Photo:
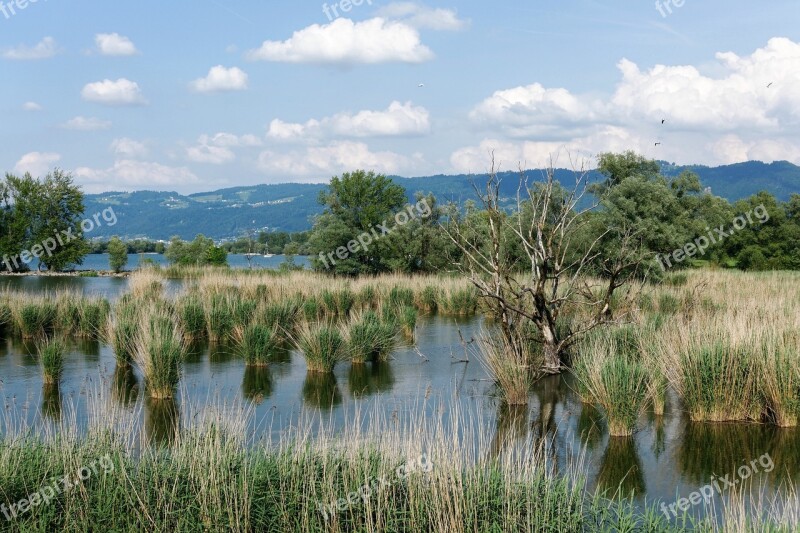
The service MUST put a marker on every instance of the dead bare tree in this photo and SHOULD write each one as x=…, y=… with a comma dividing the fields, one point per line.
x=558, y=274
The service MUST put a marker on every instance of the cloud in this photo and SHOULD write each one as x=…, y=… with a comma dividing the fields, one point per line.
x=221, y=79
x=126, y=148
x=510, y=155
x=128, y=174
x=122, y=92
x=397, y=120
x=31, y=106
x=37, y=163
x=321, y=162
x=114, y=44
x=216, y=149
x=536, y=111
x=86, y=124
x=345, y=42
x=748, y=108
x=423, y=17
x=45, y=49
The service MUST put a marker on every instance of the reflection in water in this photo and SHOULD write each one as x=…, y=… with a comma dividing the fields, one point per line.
x=220, y=355
x=321, y=390
x=258, y=383
x=25, y=347
x=124, y=386
x=548, y=392
x=89, y=348
x=621, y=468
x=196, y=351
x=512, y=428
x=51, y=401
x=280, y=361
x=368, y=379
x=162, y=419
x=659, y=434
x=708, y=449
x=591, y=426
x=785, y=452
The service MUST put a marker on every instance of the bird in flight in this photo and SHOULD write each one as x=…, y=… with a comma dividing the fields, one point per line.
x=421, y=85
x=770, y=84
x=658, y=144
x=663, y=120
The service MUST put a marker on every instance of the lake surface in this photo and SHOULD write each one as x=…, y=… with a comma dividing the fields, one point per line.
x=100, y=261
x=668, y=457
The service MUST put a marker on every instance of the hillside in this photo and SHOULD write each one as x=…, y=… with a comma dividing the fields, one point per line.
x=229, y=212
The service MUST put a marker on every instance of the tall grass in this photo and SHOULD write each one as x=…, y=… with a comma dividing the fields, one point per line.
x=509, y=367
x=613, y=380
x=778, y=361
x=322, y=345
x=159, y=349
x=51, y=359
x=256, y=343
x=368, y=338
x=121, y=329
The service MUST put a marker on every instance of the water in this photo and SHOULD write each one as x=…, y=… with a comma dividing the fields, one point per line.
x=100, y=261
x=669, y=457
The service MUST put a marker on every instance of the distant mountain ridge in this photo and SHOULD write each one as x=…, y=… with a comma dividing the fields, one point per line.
x=228, y=213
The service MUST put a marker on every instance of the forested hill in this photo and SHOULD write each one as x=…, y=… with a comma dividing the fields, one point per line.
x=228, y=213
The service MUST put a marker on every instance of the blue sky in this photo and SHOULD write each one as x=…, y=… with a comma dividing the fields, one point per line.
x=199, y=95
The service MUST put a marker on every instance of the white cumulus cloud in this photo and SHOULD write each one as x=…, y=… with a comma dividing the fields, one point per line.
x=397, y=120
x=45, y=49
x=114, y=44
x=346, y=42
x=37, y=163
x=221, y=79
x=125, y=148
x=424, y=17
x=121, y=92
x=748, y=107
x=319, y=163
x=80, y=123
x=129, y=174
x=217, y=149
x=31, y=106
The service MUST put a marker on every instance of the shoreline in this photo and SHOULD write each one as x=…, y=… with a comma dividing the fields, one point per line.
x=73, y=274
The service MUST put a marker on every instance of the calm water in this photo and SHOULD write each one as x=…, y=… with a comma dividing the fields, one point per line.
x=100, y=261
x=669, y=456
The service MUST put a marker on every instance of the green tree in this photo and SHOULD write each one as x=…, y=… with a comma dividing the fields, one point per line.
x=201, y=251
x=357, y=203
x=117, y=254
x=42, y=219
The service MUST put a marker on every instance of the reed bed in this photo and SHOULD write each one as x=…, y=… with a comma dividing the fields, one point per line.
x=419, y=473
x=159, y=348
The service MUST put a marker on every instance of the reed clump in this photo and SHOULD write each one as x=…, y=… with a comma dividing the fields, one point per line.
x=51, y=358
x=322, y=345
x=256, y=343
x=159, y=349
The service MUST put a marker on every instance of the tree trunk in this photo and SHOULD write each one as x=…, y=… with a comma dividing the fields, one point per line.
x=552, y=355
